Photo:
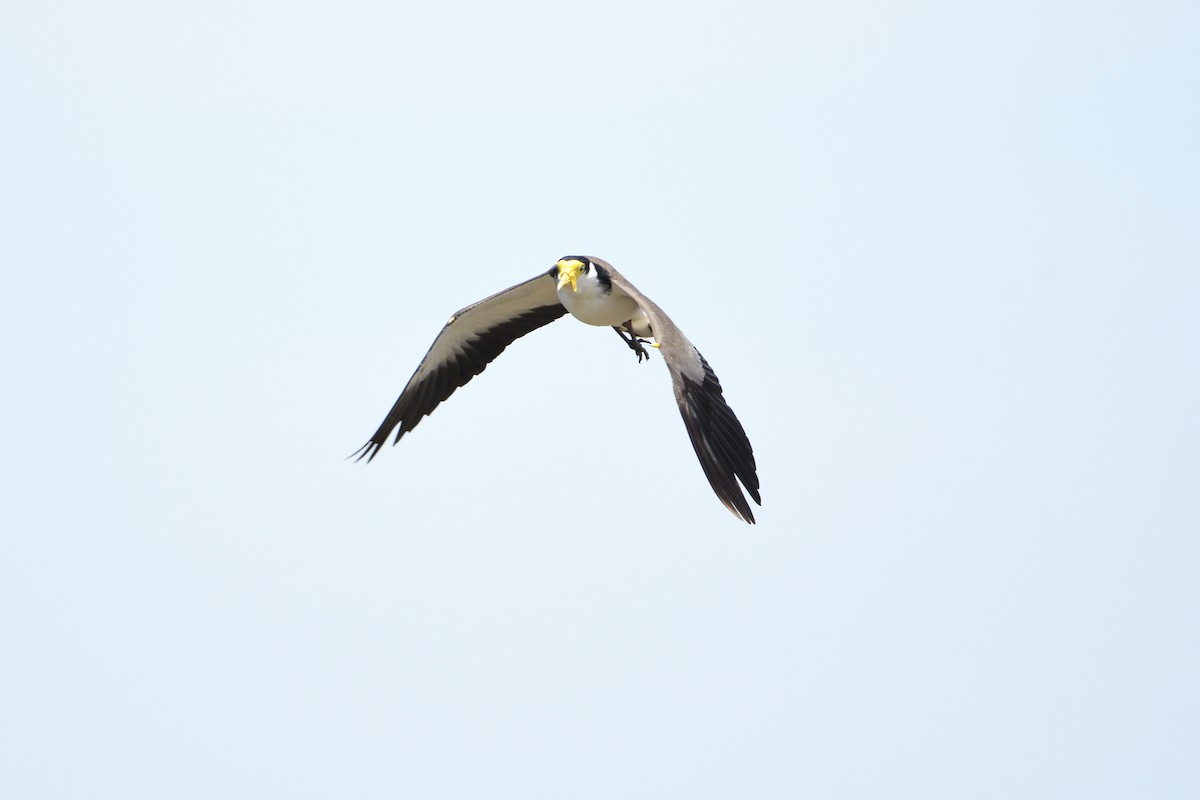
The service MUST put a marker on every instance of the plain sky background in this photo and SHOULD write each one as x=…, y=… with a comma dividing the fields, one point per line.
x=944, y=257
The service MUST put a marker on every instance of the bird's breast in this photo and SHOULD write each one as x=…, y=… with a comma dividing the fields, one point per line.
x=596, y=306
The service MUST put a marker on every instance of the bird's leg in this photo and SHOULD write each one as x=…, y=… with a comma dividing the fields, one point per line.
x=635, y=344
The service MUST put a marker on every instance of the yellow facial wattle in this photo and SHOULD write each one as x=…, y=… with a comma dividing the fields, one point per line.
x=568, y=272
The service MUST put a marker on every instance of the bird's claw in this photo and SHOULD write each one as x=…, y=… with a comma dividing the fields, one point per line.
x=635, y=345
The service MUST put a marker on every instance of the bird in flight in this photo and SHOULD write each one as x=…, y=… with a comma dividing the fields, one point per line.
x=592, y=291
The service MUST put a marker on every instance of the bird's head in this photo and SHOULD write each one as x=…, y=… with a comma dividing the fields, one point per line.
x=568, y=269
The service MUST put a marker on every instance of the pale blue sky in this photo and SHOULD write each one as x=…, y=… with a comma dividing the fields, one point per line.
x=944, y=256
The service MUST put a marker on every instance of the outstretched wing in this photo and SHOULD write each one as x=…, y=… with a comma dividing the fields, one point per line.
x=717, y=436
x=469, y=342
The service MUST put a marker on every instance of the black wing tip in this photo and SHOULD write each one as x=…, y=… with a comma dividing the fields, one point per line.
x=729, y=476
x=367, y=451
x=744, y=514
x=735, y=501
x=472, y=357
x=721, y=444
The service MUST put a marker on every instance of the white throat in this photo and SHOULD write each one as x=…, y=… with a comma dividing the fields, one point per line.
x=595, y=306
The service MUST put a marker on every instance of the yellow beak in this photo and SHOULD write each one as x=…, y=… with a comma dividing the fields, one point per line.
x=568, y=272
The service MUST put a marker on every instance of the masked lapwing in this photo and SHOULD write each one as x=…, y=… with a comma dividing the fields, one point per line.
x=592, y=291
